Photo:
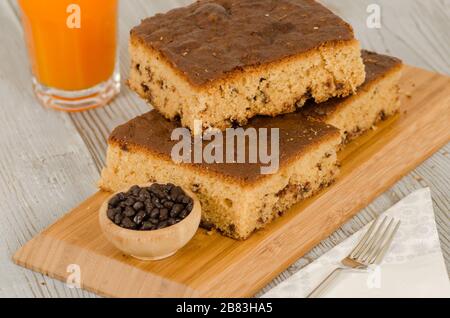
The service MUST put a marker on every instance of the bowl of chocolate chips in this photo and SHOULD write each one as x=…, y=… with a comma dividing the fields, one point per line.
x=150, y=222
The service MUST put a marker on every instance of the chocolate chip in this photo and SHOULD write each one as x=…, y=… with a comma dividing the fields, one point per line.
x=138, y=206
x=164, y=214
x=175, y=192
x=130, y=201
x=128, y=223
x=134, y=190
x=155, y=213
x=139, y=218
x=183, y=214
x=179, y=198
x=154, y=221
x=112, y=213
x=162, y=225
x=118, y=218
x=157, y=203
x=168, y=204
x=160, y=194
x=177, y=208
x=114, y=201
x=195, y=188
x=122, y=205
x=158, y=190
x=145, y=87
x=187, y=200
x=129, y=211
x=150, y=208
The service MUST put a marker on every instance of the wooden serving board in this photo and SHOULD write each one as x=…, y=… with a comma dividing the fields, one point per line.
x=216, y=266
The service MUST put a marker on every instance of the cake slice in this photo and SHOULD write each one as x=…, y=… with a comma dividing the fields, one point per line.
x=225, y=61
x=236, y=198
x=377, y=99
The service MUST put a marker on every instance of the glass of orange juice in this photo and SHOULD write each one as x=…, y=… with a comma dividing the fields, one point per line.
x=72, y=46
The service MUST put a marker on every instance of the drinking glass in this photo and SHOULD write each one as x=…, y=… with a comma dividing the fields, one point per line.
x=72, y=45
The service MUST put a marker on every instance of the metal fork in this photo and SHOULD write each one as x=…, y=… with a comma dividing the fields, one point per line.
x=369, y=251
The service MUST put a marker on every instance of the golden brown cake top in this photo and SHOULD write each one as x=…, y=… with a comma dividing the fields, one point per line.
x=151, y=132
x=377, y=66
x=211, y=38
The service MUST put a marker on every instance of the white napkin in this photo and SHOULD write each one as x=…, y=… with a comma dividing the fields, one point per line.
x=413, y=267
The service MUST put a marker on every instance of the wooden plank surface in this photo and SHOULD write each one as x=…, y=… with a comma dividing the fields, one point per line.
x=216, y=266
x=50, y=161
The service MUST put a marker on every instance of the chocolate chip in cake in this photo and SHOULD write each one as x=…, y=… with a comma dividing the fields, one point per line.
x=150, y=208
x=145, y=87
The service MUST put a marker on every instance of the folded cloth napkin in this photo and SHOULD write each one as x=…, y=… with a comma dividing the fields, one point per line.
x=413, y=267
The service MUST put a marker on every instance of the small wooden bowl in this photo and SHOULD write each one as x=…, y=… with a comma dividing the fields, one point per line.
x=151, y=245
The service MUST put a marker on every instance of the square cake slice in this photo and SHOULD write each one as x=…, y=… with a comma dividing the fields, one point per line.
x=236, y=198
x=225, y=61
x=377, y=99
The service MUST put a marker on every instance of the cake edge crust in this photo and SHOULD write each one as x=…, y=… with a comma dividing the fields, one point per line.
x=231, y=75
x=231, y=179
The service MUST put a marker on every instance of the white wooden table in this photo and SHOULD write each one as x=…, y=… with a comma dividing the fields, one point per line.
x=50, y=161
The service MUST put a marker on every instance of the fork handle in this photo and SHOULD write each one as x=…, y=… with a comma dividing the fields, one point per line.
x=316, y=292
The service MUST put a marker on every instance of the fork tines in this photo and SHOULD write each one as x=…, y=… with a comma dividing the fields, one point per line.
x=375, y=243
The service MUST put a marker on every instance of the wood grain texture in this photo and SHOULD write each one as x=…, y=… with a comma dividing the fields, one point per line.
x=216, y=266
x=59, y=155
x=40, y=156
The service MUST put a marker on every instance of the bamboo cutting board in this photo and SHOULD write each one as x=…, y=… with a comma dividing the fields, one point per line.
x=216, y=266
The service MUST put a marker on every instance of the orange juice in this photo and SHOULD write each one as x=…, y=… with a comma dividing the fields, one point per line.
x=71, y=43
